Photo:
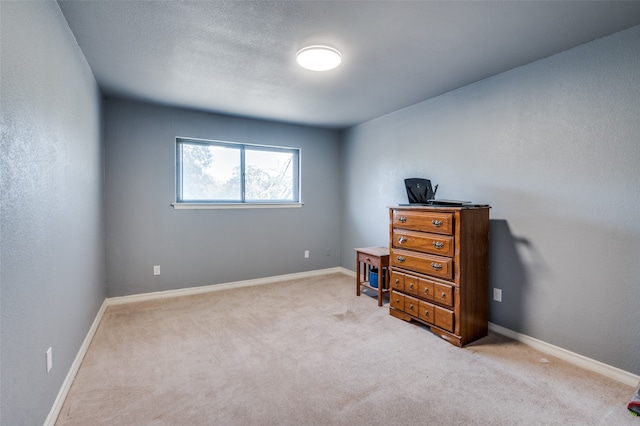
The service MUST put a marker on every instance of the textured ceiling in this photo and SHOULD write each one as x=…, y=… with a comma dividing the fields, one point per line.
x=238, y=57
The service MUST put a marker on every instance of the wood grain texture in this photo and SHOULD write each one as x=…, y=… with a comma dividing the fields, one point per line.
x=452, y=286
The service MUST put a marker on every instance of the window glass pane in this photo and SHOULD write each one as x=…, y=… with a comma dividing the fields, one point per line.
x=269, y=175
x=223, y=172
x=210, y=172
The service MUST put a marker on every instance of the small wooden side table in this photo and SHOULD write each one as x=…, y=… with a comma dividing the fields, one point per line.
x=370, y=257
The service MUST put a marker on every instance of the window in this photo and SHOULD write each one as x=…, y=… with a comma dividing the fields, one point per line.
x=232, y=173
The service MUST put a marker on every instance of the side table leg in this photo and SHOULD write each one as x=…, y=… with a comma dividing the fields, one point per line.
x=383, y=283
x=357, y=276
x=380, y=282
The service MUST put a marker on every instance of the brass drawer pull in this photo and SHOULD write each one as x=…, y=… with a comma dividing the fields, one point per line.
x=411, y=307
x=402, y=219
x=411, y=286
x=438, y=244
x=401, y=259
x=426, y=290
x=436, y=222
x=402, y=240
x=397, y=281
x=436, y=266
x=426, y=313
x=444, y=296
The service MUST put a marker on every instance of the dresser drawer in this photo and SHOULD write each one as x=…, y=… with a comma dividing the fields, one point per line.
x=420, y=241
x=396, y=300
x=440, y=223
x=437, y=266
x=426, y=312
x=411, y=306
x=411, y=284
x=425, y=289
x=443, y=294
x=444, y=318
x=397, y=281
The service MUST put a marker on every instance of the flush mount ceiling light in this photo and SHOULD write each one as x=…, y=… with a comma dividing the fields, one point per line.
x=318, y=58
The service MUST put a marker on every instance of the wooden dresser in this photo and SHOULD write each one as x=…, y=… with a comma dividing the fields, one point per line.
x=439, y=263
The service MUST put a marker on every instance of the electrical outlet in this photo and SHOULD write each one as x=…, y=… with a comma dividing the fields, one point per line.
x=306, y=254
x=49, y=355
x=156, y=270
x=497, y=295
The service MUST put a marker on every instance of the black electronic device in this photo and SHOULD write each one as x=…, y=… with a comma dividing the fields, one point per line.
x=420, y=193
x=419, y=190
x=448, y=203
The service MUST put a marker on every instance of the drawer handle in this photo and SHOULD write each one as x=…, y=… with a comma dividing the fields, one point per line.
x=411, y=285
x=438, y=244
x=397, y=281
x=402, y=219
x=436, y=266
x=436, y=222
x=401, y=259
x=411, y=307
x=444, y=296
x=397, y=300
x=426, y=290
x=426, y=313
x=402, y=240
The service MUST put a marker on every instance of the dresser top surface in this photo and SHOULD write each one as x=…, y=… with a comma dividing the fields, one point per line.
x=425, y=207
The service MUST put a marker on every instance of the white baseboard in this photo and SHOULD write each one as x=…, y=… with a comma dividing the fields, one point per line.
x=582, y=361
x=216, y=287
x=347, y=271
x=75, y=366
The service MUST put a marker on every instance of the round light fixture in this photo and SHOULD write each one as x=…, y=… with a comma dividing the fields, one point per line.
x=318, y=58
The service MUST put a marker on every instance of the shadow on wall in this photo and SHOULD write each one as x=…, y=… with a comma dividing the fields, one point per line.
x=506, y=272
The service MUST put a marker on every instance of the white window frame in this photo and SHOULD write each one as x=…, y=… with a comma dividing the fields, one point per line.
x=180, y=203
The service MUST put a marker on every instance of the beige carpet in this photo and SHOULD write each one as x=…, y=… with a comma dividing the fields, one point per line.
x=309, y=352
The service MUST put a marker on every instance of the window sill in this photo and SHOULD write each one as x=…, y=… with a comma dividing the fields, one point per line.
x=206, y=206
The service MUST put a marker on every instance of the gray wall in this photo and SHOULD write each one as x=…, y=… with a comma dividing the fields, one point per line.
x=202, y=247
x=51, y=228
x=554, y=147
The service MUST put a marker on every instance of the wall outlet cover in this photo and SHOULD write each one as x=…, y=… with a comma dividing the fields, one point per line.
x=497, y=295
x=49, y=355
